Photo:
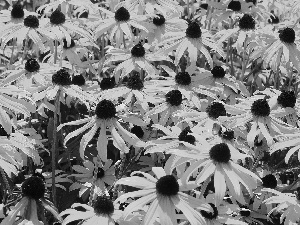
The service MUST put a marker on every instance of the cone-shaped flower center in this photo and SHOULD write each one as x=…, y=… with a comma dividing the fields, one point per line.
x=287, y=35
x=33, y=187
x=193, y=30
x=32, y=65
x=247, y=22
x=107, y=83
x=260, y=108
x=167, y=186
x=134, y=82
x=159, y=20
x=215, y=110
x=184, y=136
x=17, y=11
x=122, y=14
x=65, y=46
x=183, y=78
x=105, y=110
x=220, y=153
x=245, y=212
x=78, y=80
x=227, y=135
x=269, y=181
x=174, y=97
x=62, y=77
x=57, y=17
x=31, y=21
x=138, y=131
x=234, y=6
x=218, y=72
x=103, y=206
x=138, y=50
x=287, y=99
x=210, y=215
x=100, y=173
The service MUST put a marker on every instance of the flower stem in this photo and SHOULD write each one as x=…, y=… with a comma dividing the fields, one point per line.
x=55, y=51
x=54, y=146
x=244, y=62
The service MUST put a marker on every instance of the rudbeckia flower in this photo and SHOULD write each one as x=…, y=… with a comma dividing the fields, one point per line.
x=287, y=203
x=257, y=110
x=120, y=23
x=192, y=39
x=15, y=14
x=102, y=213
x=138, y=57
x=165, y=195
x=106, y=118
x=33, y=191
x=218, y=161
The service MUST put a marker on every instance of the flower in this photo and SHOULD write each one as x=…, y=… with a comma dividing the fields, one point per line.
x=165, y=195
x=33, y=191
x=102, y=213
x=14, y=14
x=106, y=119
x=138, y=57
x=193, y=39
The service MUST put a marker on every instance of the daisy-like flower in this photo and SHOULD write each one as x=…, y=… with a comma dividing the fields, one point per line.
x=193, y=39
x=218, y=161
x=93, y=173
x=32, y=72
x=33, y=191
x=166, y=110
x=137, y=58
x=29, y=29
x=287, y=203
x=119, y=23
x=103, y=212
x=165, y=195
x=106, y=119
x=257, y=110
x=14, y=14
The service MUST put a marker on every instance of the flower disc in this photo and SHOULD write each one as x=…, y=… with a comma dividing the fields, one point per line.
x=167, y=186
x=260, y=108
x=234, y=6
x=138, y=131
x=107, y=83
x=215, y=110
x=105, y=110
x=183, y=78
x=269, y=181
x=32, y=65
x=17, y=11
x=57, y=17
x=134, y=82
x=62, y=77
x=122, y=14
x=159, y=20
x=174, y=97
x=247, y=22
x=33, y=187
x=184, y=136
x=220, y=153
x=103, y=206
x=287, y=35
x=218, y=72
x=138, y=51
x=193, y=30
x=78, y=80
x=100, y=173
x=287, y=99
x=31, y=21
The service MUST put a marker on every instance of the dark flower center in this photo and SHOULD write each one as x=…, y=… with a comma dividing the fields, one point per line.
x=287, y=99
x=32, y=65
x=273, y=19
x=31, y=21
x=17, y=11
x=100, y=173
x=269, y=181
x=107, y=83
x=85, y=14
x=220, y=153
x=210, y=215
x=218, y=72
x=135, y=82
x=174, y=97
x=193, y=30
x=57, y=17
x=227, y=135
x=138, y=131
x=245, y=212
x=122, y=14
x=65, y=46
x=215, y=110
x=260, y=108
x=204, y=6
x=103, y=206
x=33, y=187
x=105, y=110
x=184, y=136
x=167, y=186
x=62, y=77
x=159, y=20
x=287, y=35
x=78, y=80
x=183, y=78
x=138, y=50
x=247, y=22
x=253, y=1
x=234, y=6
